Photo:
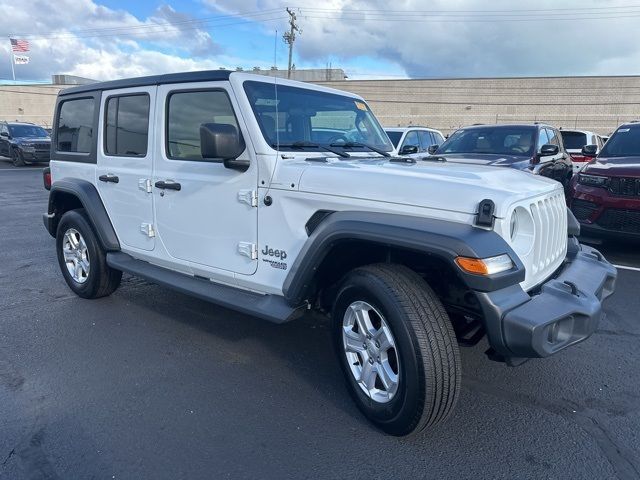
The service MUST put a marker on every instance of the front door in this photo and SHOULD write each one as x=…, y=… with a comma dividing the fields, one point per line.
x=205, y=212
x=123, y=173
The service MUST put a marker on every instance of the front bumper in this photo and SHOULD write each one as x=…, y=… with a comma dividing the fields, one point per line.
x=36, y=156
x=563, y=311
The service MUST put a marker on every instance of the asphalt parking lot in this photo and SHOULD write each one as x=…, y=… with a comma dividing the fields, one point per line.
x=149, y=383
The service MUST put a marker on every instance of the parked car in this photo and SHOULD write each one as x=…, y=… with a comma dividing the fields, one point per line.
x=606, y=192
x=24, y=143
x=536, y=148
x=414, y=141
x=574, y=140
x=211, y=186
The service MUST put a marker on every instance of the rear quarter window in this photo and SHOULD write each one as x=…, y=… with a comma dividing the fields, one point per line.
x=574, y=140
x=75, y=126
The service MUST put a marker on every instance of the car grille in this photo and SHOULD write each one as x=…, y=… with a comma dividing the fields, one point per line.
x=624, y=186
x=620, y=220
x=550, y=219
x=583, y=209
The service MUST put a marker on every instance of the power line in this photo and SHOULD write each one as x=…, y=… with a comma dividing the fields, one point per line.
x=153, y=27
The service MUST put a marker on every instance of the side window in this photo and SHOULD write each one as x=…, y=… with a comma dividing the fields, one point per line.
x=75, y=126
x=437, y=138
x=425, y=140
x=411, y=139
x=553, y=137
x=127, y=125
x=543, y=139
x=186, y=111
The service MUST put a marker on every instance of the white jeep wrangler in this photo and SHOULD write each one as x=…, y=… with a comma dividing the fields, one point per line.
x=274, y=197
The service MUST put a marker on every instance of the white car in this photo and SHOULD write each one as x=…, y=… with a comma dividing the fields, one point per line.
x=574, y=140
x=414, y=142
x=275, y=197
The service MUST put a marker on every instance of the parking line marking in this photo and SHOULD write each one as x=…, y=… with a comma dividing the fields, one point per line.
x=626, y=267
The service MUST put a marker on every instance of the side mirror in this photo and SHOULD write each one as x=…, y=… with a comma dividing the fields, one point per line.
x=590, y=150
x=432, y=149
x=409, y=150
x=220, y=142
x=549, y=150
x=4, y=134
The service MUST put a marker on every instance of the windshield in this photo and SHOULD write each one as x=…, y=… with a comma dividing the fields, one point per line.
x=574, y=140
x=305, y=115
x=27, y=131
x=395, y=137
x=625, y=142
x=496, y=140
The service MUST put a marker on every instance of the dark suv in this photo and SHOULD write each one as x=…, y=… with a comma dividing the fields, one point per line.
x=24, y=143
x=605, y=195
x=534, y=148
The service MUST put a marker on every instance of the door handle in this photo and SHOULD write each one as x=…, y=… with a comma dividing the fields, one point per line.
x=109, y=178
x=169, y=185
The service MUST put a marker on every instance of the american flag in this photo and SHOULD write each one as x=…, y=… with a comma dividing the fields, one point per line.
x=18, y=45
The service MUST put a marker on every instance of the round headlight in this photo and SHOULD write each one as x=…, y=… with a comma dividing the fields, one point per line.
x=521, y=231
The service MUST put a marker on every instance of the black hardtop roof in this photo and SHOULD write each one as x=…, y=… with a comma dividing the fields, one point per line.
x=183, y=77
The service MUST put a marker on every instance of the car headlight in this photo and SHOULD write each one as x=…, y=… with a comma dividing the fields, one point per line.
x=592, y=180
x=521, y=231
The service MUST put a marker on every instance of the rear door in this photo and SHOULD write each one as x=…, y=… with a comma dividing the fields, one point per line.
x=211, y=221
x=125, y=162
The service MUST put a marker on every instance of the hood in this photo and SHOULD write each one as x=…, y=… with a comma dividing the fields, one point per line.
x=487, y=159
x=614, y=166
x=454, y=187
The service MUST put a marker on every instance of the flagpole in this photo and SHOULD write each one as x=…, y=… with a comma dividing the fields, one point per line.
x=13, y=70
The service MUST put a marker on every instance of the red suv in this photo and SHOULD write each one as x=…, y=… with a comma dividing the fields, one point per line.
x=605, y=194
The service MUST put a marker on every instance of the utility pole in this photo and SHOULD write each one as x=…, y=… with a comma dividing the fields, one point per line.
x=290, y=37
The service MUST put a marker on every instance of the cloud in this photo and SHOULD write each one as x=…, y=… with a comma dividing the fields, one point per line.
x=84, y=38
x=467, y=38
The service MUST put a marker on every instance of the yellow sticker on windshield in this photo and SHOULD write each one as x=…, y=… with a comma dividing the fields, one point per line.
x=361, y=105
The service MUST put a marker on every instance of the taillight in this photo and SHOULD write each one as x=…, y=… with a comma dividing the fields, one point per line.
x=46, y=178
x=580, y=158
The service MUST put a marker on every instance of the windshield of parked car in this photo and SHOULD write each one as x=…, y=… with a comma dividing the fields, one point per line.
x=625, y=142
x=27, y=131
x=394, y=137
x=306, y=117
x=492, y=140
x=573, y=140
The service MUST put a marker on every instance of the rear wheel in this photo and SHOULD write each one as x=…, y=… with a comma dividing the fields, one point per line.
x=17, y=158
x=81, y=258
x=397, y=348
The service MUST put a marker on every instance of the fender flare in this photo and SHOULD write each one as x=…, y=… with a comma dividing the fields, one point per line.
x=88, y=196
x=441, y=238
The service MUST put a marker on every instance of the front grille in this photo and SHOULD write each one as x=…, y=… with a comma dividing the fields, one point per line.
x=620, y=220
x=550, y=243
x=625, y=186
x=583, y=209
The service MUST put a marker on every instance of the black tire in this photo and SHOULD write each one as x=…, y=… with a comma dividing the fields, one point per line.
x=17, y=158
x=429, y=375
x=101, y=280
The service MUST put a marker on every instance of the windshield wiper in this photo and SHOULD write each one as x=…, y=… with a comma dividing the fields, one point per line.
x=304, y=144
x=359, y=144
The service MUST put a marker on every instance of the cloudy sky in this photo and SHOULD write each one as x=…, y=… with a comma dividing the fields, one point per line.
x=106, y=39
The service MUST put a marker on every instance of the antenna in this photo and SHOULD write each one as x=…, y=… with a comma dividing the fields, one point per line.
x=267, y=199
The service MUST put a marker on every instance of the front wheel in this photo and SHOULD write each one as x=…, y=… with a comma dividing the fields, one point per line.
x=82, y=261
x=17, y=158
x=397, y=348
